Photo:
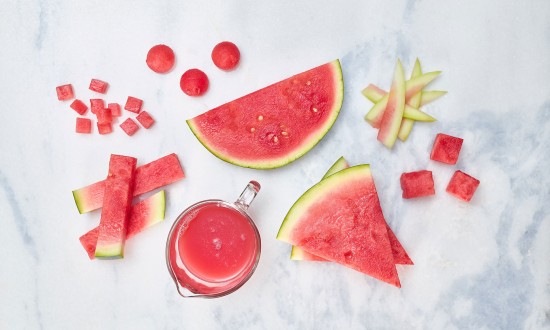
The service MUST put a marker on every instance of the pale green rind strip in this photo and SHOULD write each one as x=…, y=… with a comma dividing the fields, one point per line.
x=297, y=253
x=158, y=201
x=416, y=115
x=408, y=123
x=412, y=87
x=111, y=251
x=430, y=96
x=335, y=111
x=393, y=114
x=313, y=194
x=79, y=201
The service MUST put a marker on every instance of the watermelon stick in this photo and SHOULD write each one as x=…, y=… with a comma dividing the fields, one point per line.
x=143, y=215
x=149, y=177
x=413, y=86
x=117, y=202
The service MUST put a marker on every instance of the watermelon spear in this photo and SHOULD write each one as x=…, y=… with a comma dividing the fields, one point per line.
x=393, y=114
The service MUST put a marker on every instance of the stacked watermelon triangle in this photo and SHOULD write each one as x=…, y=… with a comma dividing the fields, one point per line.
x=340, y=220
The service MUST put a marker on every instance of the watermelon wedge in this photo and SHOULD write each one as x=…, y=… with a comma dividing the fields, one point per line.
x=414, y=101
x=117, y=201
x=143, y=215
x=400, y=256
x=151, y=176
x=393, y=114
x=275, y=125
x=412, y=86
x=340, y=219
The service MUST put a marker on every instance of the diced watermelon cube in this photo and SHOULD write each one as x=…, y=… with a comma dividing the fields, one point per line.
x=96, y=105
x=145, y=119
x=462, y=186
x=446, y=149
x=133, y=104
x=99, y=86
x=79, y=107
x=417, y=184
x=104, y=116
x=104, y=128
x=83, y=125
x=64, y=92
x=129, y=126
x=115, y=109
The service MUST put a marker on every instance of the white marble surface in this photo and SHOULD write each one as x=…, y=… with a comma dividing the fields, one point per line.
x=483, y=265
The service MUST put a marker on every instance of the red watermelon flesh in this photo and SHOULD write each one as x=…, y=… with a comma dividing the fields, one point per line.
x=446, y=148
x=462, y=186
x=277, y=124
x=340, y=219
x=400, y=256
x=151, y=176
x=142, y=216
x=417, y=184
x=117, y=201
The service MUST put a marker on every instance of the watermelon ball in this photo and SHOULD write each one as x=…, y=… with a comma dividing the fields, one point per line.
x=194, y=82
x=160, y=58
x=226, y=55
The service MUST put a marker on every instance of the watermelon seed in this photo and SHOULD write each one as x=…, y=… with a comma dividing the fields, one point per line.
x=314, y=109
x=260, y=118
x=284, y=133
x=275, y=139
x=308, y=83
x=252, y=130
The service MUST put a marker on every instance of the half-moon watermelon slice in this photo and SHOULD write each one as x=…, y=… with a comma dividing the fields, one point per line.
x=275, y=125
x=340, y=219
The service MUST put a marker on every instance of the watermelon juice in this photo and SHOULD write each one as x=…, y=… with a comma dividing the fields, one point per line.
x=213, y=248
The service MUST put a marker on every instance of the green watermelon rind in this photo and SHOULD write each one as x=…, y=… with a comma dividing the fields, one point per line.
x=338, y=100
x=312, y=195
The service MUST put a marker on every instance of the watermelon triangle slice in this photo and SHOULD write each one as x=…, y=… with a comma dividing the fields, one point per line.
x=340, y=219
x=400, y=256
x=277, y=124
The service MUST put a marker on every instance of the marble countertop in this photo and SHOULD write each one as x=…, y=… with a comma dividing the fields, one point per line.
x=478, y=265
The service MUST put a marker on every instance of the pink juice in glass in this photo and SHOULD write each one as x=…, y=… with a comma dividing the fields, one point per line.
x=213, y=248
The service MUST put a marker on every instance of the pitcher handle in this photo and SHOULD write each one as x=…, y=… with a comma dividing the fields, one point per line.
x=248, y=195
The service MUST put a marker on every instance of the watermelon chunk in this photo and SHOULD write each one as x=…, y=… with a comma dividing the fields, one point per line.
x=64, y=92
x=99, y=86
x=96, y=105
x=393, y=114
x=104, y=116
x=400, y=256
x=79, y=106
x=275, y=125
x=129, y=126
x=104, y=128
x=145, y=119
x=340, y=219
x=417, y=184
x=446, y=148
x=143, y=215
x=115, y=109
x=462, y=186
x=117, y=201
x=83, y=125
x=133, y=104
x=148, y=177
